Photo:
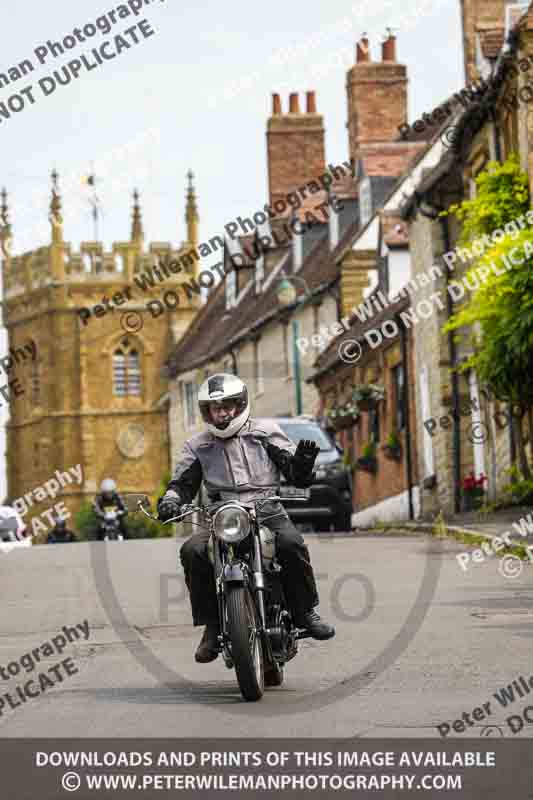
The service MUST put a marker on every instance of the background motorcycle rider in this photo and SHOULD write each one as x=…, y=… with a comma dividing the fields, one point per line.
x=240, y=458
x=110, y=500
x=60, y=533
x=12, y=526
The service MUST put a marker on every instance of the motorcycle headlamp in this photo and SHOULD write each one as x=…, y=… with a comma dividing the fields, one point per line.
x=231, y=524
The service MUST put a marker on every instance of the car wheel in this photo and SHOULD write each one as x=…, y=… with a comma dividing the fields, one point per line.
x=343, y=523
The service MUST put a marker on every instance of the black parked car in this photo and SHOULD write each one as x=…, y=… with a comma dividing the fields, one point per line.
x=330, y=496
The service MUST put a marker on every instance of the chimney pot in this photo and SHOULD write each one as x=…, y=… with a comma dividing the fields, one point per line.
x=276, y=104
x=294, y=103
x=311, y=103
x=388, y=48
x=362, y=50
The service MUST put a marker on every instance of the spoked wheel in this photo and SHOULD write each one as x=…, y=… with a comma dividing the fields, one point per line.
x=246, y=647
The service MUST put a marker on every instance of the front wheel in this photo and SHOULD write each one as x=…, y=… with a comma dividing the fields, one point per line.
x=246, y=647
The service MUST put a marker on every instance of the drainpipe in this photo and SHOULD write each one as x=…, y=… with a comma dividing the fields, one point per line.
x=455, y=380
x=405, y=398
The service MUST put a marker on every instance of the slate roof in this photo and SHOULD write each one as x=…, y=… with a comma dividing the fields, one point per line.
x=214, y=330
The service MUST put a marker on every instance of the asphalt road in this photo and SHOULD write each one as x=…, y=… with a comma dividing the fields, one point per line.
x=418, y=643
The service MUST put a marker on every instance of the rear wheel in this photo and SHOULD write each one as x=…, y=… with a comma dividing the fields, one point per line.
x=246, y=647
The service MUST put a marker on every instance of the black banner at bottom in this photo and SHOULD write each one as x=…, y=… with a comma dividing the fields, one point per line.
x=321, y=768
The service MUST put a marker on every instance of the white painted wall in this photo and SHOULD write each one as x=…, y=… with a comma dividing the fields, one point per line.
x=393, y=509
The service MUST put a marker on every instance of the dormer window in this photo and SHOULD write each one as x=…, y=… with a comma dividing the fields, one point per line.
x=365, y=201
x=231, y=289
x=259, y=273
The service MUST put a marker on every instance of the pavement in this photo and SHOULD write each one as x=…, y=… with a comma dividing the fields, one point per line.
x=418, y=643
x=489, y=524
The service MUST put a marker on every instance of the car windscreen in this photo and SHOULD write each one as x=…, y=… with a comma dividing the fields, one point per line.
x=300, y=430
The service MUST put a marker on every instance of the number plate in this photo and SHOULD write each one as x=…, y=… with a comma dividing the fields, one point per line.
x=292, y=491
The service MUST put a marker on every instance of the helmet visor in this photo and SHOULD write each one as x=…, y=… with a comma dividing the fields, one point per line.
x=221, y=412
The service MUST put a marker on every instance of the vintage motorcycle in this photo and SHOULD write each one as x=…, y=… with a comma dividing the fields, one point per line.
x=258, y=636
x=110, y=527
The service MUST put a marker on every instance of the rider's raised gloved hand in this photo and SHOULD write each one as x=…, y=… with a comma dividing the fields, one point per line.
x=169, y=505
x=306, y=453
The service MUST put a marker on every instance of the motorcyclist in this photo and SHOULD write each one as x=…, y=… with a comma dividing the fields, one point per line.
x=12, y=526
x=60, y=534
x=240, y=458
x=110, y=500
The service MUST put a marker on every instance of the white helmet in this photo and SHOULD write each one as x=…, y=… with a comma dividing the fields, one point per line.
x=222, y=387
x=108, y=486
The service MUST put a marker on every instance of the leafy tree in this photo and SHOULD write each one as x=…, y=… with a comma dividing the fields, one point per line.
x=499, y=314
x=502, y=195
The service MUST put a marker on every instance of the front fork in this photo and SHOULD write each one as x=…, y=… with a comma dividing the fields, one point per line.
x=234, y=573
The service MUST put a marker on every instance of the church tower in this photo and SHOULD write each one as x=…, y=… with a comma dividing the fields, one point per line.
x=87, y=351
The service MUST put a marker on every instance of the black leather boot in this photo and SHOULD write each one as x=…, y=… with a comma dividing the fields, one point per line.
x=317, y=628
x=208, y=648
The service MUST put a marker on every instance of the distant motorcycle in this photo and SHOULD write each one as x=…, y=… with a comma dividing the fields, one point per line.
x=110, y=527
x=258, y=636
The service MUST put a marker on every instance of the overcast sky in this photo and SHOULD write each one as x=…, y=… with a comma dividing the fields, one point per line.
x=162, y=107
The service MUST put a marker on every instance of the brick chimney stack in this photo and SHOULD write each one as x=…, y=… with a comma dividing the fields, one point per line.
x=295, y=145
x=479, y=16
x=377, y=97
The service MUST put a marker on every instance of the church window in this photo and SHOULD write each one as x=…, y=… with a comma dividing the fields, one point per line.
x=126, y=370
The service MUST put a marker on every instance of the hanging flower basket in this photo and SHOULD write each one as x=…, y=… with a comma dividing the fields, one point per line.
x=367, y=464
x=343, y=416
x=367, y=397
x=367, y=460
x=392, y=453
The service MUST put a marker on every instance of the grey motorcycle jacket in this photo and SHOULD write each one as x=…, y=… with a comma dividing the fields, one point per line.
x=245, y=467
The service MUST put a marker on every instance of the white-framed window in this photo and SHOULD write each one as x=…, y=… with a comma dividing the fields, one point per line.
x=259, y=274
x=190, y=407
x=333, y=225
x=258, y=369
x=231, y=289
x=365, y=201
x=126, y=370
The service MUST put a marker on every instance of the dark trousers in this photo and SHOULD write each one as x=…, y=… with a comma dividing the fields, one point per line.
x=291, y=551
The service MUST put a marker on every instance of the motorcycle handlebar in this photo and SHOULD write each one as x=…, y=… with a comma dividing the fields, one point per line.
x=192, y=509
